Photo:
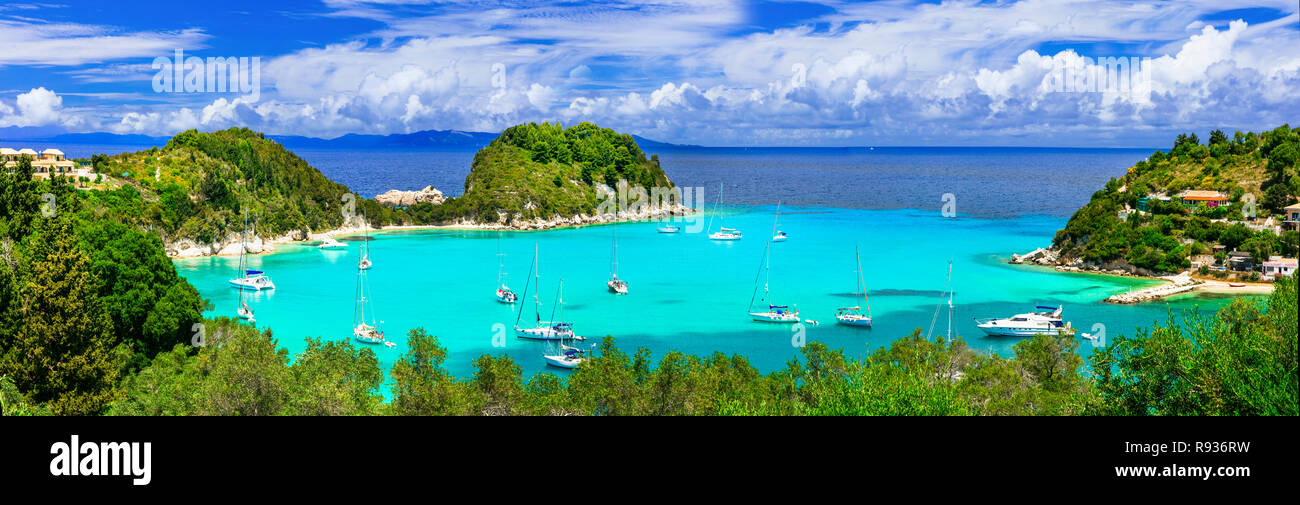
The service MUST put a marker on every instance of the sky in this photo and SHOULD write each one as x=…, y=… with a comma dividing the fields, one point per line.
x=707, y=72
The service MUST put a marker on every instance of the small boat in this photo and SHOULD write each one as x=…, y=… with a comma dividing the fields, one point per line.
x=812, y=322
x=853, y=316
x=364, y=327
x=616, y=285
x=545, y=330
x=723, y=233
x=668, y=228
x=566, y=357
x=504, y=294
x=1046, y=322
x=365, y=262
x=244, y=311
x=1090, y=337
x=330, y=243
x=726, y=234
x=249, y=280
x=1236, y=284
x=777, y=235
x=774, y=313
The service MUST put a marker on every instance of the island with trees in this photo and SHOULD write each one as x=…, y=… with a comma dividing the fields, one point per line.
x=1213, y=211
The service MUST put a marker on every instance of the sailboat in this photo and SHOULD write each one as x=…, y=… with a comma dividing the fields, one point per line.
x=774, y=313
x=616, y=285
x=723, y=233
x=365, y=262
x=565, y=356
x=853, y=316
x=669, y=228
x=251, y=280
x=365, y=328
x=504, y=294
x=777, y=234
x=544, y=330
x=947, y=291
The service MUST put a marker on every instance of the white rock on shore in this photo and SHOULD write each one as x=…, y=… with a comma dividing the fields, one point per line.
x=399, y=198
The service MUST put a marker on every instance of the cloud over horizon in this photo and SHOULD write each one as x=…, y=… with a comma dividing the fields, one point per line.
x=893, y=72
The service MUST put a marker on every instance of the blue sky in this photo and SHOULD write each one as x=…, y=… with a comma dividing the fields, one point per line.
x=712, y=72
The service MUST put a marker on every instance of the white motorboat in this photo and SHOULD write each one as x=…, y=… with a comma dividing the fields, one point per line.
x=330, y=243
x=668, y=228
x=853, y=316
x=780, y=236
x=1046, y=322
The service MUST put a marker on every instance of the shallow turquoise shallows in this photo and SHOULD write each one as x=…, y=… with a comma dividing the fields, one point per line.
x=687, y=293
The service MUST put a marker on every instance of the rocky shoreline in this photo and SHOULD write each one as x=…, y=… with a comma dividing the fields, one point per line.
x=230, y=245
x=1175, y=284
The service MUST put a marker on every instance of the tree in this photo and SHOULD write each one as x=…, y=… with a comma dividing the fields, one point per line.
x=63, y=351
x=422, y=387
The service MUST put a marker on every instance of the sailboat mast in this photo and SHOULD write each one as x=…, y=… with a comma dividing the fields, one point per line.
x=950, y=302
x=537, y=301
x=862, y=286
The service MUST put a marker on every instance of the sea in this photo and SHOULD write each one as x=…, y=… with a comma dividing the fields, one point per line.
x=928, y=225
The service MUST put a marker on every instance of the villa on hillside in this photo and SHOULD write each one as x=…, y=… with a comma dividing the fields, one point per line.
x=1194, y=197
x=46, y=164
x=1292, y=220
x=1277, y=265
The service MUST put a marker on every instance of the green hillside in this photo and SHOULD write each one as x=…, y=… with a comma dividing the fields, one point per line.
x=544, y=170
x=1139, y=219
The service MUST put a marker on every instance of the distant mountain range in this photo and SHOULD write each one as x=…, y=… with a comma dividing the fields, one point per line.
x=427, y=138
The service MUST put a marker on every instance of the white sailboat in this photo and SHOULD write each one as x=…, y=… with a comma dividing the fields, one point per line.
x=365, y=328
x=565, y=356
x=504, y=294
x=777, y=234
x=544, y=330
x=616, y=285
x=365, y=262
x=723, y=232
x=774, y=313
x=948, y=291
x=250, y=280
x=853, y=316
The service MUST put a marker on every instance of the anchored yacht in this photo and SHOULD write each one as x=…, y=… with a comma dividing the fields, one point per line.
x=1028, y=324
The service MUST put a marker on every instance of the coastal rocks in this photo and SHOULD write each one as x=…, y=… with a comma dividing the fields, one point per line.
x=399, y=198
x=1040, y=256
x=584, y=219
x=1180, y=283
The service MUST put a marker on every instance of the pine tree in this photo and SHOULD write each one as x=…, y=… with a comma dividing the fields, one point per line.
x=63, y=350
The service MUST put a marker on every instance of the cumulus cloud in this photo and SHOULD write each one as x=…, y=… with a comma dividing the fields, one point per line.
x=888, y=72
x=38, y=107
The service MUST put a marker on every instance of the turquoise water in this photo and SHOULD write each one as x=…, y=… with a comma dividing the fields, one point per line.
x=687, y=292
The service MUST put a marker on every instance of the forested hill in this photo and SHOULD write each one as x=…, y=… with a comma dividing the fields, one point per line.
x=1141, y=219
x=539, y=171
x=200, y=185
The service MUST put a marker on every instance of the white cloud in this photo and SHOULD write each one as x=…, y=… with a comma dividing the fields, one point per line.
x=38, y=107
